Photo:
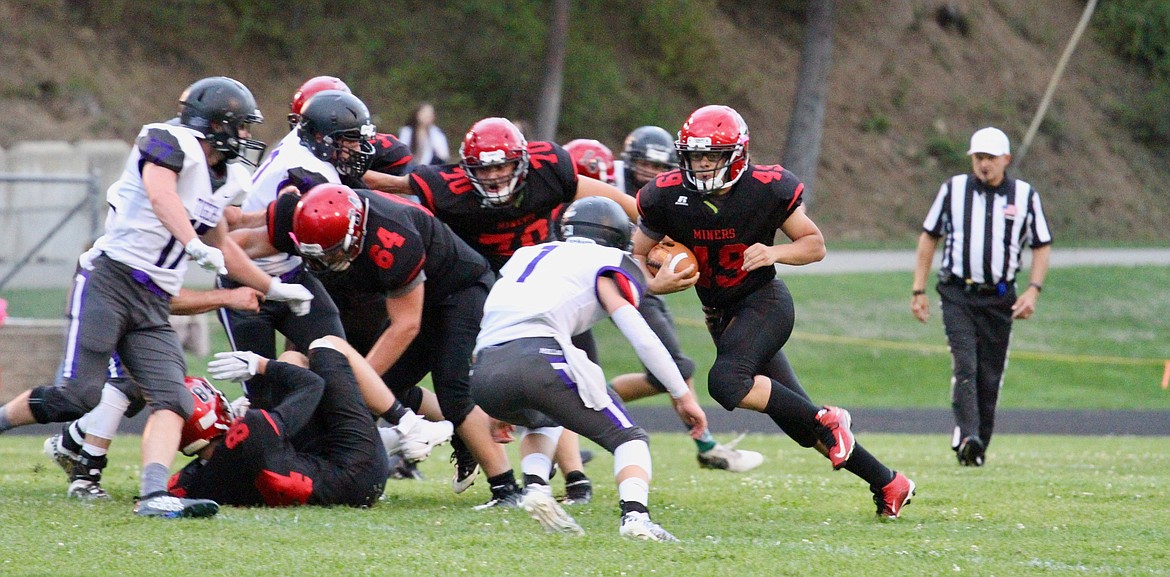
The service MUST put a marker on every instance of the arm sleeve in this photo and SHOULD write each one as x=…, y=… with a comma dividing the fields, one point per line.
x=280, y=217
x=649, y=349
x=299, y=391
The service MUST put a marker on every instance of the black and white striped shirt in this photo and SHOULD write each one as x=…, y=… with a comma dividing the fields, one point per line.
x=986, y=228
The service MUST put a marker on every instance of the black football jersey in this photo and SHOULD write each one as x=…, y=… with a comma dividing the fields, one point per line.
x=391, y=155
x=496, y=232
x=402, y=241
x=257, y=463
x=719, y=229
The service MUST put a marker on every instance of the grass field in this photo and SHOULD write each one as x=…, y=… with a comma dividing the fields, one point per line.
x=1098, y=340
x=1042, y=506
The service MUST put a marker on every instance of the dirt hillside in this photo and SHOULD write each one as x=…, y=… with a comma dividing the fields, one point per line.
x=905, y=94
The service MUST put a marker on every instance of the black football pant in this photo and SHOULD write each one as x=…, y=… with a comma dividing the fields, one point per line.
x=979, y=329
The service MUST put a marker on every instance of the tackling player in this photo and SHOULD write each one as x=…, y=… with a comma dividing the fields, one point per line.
x=727, y=210
x=528, y=372
x=161, y=210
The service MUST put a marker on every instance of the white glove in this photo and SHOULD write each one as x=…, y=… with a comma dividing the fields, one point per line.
x=298, y=297
x=208, y=257
x=234, y=365
x=240, y=406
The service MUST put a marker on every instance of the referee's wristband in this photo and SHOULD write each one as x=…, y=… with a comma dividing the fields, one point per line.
x=917, y=292
x=1037, y=286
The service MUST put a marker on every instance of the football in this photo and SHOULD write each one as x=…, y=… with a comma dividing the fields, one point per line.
x=671, y=255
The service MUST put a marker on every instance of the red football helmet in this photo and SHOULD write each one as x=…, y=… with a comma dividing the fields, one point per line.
x=716, y=138
x=307, y=90
x=593, y=159
x=211, y=418
x=489, y=148
x=329, y=224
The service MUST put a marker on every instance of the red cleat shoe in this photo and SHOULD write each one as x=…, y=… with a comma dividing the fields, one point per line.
x=837, y=421
x=895, y=495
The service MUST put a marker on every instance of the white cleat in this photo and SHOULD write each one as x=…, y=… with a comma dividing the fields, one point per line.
x=87, y=490
x=639, y=526
x=60, y=455
x=540, y=504
x=728, y=458
x=419, y=436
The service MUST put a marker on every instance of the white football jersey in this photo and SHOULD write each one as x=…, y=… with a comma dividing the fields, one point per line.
x=271, y=176
x=550, y=290
x=136, y=237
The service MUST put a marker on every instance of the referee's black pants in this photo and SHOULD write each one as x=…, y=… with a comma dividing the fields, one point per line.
x=979, y=328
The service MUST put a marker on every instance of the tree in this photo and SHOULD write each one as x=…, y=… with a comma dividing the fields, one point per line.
x=802, y=149
x=549, y=106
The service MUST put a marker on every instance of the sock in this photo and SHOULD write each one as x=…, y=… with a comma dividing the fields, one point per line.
x=72, y=437
x=863, y=464
x=634, y=507
x=93, y=450
x=4, y=423
x=505, y=482
x=536, y=465
x=787, y=407
x=534, y=480
x=634, y=490
x=575, y=477
x=154, y=479
x=395, y=412
x=706, y=442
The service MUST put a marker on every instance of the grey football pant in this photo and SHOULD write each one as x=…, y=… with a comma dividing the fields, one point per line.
x=516, y=382
x=115, y=309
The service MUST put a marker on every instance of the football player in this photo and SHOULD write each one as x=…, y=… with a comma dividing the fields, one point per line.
x=431, y=286
x=250, y=458
x=593, y=159
x=528, y=372
x=518, y=190
x=649, y=151
x=162, y=210
x=727, y=210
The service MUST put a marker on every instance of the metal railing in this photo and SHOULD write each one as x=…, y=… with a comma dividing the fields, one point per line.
x=91, y=201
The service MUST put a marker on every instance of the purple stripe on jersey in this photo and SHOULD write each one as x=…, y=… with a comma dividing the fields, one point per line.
x=606, y=270
x=162, y=258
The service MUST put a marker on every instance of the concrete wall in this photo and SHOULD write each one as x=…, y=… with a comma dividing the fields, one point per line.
x=29, y=211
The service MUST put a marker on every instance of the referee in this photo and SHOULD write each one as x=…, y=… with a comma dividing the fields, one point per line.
x=987, y=219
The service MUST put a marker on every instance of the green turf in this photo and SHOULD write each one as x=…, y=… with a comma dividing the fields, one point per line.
x=1098, y=340
x=1044, y=505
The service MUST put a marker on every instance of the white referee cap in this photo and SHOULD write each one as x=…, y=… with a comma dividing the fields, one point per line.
x=990, y=141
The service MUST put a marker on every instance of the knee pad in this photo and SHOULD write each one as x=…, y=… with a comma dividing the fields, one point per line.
x=726, y=387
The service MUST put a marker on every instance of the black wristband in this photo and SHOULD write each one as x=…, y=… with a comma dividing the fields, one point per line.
x=917, y=292
x=1037, y=286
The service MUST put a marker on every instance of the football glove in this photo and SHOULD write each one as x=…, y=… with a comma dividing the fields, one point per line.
x=234, y=365
x=298, y=297
x=207, y=257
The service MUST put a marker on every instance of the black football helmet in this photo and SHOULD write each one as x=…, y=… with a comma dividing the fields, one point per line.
x=218, y=107
x=598, y=218
x=648, y=151
x=330, y=120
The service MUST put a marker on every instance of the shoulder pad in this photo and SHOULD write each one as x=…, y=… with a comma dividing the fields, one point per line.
x=160, y=147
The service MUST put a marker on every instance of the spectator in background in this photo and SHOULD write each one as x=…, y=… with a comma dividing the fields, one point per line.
x=427, y=142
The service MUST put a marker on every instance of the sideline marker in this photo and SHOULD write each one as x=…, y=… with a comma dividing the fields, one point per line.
x=1166, y=376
